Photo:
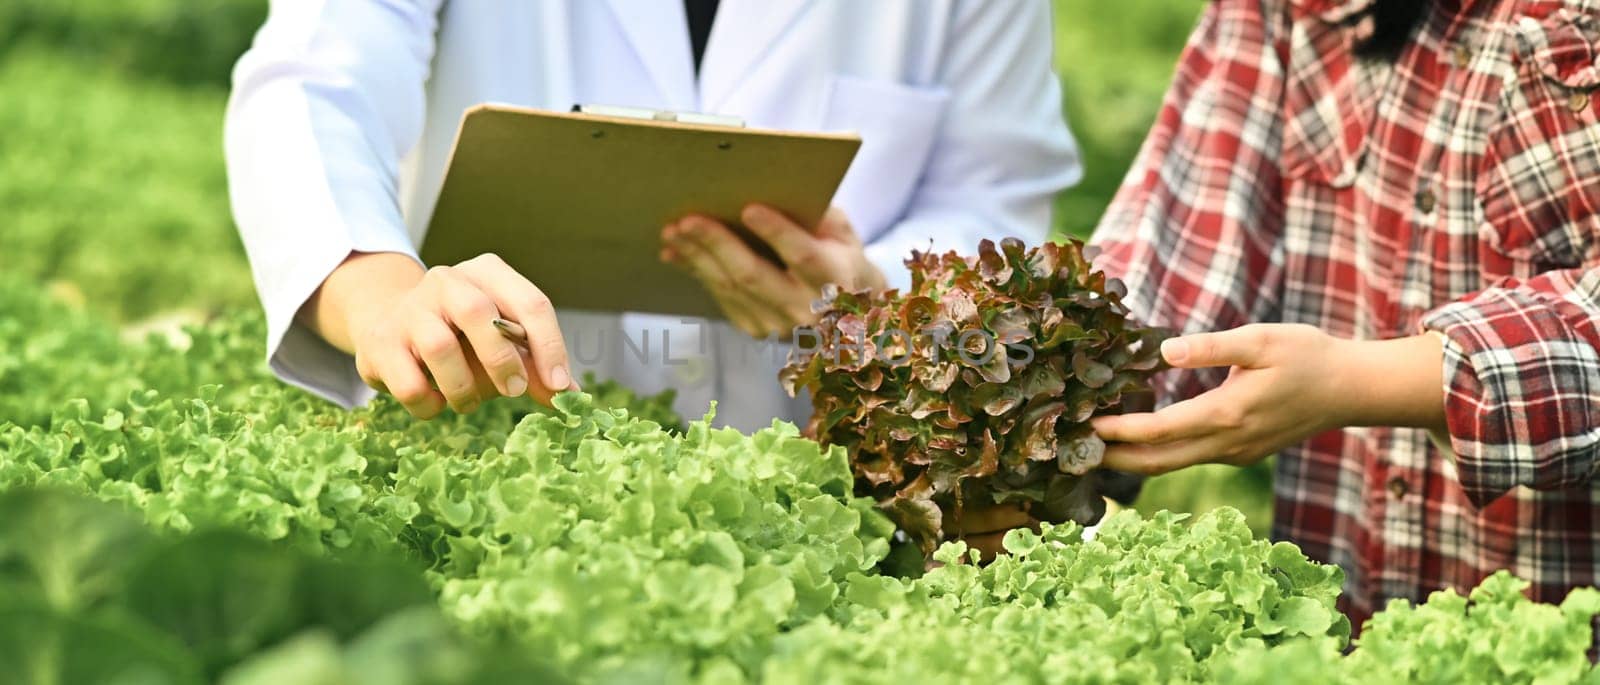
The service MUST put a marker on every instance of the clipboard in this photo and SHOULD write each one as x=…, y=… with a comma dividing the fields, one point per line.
x=576, y=201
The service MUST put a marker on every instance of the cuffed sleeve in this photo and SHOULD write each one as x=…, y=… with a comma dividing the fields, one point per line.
x=1522, y=383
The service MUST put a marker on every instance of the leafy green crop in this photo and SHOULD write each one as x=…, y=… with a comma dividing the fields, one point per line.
x=113, y=189
x=977, y=384
x=1493, y=635
x=102, y=172
x=604, y=547
x=89, y=596
x=1142, y=601
x=604, y=539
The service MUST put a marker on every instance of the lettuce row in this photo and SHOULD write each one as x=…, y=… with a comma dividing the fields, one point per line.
x=616, y=548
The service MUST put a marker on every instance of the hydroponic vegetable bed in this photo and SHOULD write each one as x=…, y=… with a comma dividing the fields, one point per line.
x=174, y=515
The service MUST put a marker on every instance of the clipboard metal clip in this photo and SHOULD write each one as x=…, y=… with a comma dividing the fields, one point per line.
x=696, y=118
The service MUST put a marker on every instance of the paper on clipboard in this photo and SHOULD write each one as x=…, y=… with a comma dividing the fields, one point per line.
x=576, y=201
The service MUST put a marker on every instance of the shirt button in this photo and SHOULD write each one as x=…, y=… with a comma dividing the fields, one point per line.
x=1463, y=57
x=1578, y=102
x=1398, y=487
x=1426, y=201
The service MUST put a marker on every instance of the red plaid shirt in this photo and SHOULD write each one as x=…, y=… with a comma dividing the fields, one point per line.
x=1454, y=189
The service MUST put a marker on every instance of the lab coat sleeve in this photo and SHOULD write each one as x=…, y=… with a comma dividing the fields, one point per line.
x=1003, y=150
x=325, y=103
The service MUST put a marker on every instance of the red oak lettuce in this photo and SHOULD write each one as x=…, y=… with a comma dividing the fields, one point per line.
x=976, y=386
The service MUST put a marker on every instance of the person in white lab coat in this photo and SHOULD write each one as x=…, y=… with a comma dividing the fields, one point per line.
x=343, y=113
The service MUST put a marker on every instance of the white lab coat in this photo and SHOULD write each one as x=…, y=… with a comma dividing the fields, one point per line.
x=343, y=113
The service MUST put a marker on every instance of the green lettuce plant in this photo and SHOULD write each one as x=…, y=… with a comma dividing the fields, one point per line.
x=1158, y=600
x=976, y=385
x=599, y=545
x=90, y=595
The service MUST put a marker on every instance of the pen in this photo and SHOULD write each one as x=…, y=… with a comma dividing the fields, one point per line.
x=512, y=331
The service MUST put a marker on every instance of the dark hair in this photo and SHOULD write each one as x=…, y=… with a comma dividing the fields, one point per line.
x=1393, y=22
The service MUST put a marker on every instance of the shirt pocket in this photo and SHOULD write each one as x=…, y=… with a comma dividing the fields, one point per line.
x=898, y=124
x=1539, y=183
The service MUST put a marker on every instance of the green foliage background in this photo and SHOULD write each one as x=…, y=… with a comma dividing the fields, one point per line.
x=113, y=196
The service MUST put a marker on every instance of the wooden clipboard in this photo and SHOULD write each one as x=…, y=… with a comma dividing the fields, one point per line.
x=576, y=202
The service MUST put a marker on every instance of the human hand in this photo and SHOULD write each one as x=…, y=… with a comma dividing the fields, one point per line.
x=1287, y=383
x=1281, y=390
x=759, y=297
x=434, y=342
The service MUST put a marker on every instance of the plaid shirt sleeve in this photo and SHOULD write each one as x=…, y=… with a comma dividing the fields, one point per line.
x=1194, y=230
x=1522, y=383
x=1521, y=370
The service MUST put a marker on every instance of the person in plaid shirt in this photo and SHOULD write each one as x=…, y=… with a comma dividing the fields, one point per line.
x=1377, y=225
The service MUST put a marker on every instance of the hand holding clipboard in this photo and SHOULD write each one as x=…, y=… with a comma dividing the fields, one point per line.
x=576, y=201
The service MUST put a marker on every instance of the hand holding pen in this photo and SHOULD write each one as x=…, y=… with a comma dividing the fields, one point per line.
x=431, y=338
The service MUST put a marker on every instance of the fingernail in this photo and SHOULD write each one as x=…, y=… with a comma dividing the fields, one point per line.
x=559, y=379
x=755, y=213
x=516, y=385
x=1175, y=350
